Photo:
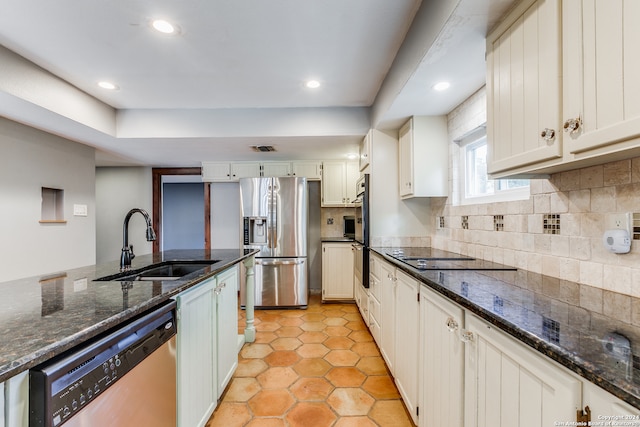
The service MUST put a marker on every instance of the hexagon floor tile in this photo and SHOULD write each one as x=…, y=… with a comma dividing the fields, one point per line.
x=313, y=368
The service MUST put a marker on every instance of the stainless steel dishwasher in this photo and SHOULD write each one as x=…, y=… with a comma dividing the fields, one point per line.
x=126, y=378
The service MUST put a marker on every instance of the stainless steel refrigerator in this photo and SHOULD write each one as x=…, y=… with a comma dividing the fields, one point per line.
x=275, y=220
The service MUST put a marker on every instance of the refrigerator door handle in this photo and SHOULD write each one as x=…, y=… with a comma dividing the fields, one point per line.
x=280, y=262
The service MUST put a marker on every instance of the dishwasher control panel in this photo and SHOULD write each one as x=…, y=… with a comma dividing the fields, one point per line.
x=63, y=387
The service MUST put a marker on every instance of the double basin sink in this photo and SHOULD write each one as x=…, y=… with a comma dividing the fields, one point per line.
x=167, y=270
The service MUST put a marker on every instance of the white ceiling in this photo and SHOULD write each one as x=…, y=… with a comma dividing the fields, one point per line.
x=234, y=76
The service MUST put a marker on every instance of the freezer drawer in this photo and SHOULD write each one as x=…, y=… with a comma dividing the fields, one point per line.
x=279, y=282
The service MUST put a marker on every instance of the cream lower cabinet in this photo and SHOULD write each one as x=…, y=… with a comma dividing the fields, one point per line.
x=227, y=326
x=441, y=364
x=16, y=401
x=197, y=369
x=507, y=384
x=387, y=314
x=406, y=336
x=207, y=345
x=337, y=271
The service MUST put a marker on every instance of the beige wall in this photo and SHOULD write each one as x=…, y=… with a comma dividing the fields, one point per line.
x=583, y=198
x=29, y=160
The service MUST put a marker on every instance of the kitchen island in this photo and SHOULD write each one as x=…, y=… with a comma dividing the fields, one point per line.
x=592, y=332
x=44, y=316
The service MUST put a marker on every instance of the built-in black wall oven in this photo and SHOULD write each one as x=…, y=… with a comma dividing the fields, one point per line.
x=361, y=245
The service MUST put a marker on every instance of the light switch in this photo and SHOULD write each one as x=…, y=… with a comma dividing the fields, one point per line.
x=79, y=210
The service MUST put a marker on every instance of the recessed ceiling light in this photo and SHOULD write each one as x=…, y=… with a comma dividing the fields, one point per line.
x=107, y=85
x=441, y=86
x=165, y=27
x=313, y=84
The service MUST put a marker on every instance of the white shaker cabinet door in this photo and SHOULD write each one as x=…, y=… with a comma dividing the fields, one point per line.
x=601, y=69
x=227, y=326
x=507, y=385
x=407, y=321
x=197, y=370
x=524, y=87
x=441, y=367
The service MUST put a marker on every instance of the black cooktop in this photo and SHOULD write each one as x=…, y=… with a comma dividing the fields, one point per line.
x=435, y=259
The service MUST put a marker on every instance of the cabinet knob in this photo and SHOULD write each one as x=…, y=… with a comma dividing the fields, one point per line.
x=548, y=134
x=452, y=325
x=466, y=336
x=572, y=125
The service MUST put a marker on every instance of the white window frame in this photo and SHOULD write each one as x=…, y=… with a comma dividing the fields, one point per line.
x=514, y=194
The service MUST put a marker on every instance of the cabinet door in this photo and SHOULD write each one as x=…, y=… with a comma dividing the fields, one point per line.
x=601, y=68
x=16, y=401
x=351, y=177
x=524, y=87
x=276, y=169
x=244, y=170
x=406, y=339
x=309, y=170
x=387, y=314
x=405, y=153
x=197, y=369
x=227, y=322
x=337, y=271
x=216, y=171
x=441, y=376
x=365, y=151
x=604, y=404
x=333, y=184
x=507, y=384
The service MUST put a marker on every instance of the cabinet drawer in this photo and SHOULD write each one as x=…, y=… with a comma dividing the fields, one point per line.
x=374, y=287
x=374, y=266
x=374, y=328
x=374, y=309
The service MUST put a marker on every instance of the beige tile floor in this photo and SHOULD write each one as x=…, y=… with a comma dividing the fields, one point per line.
x=311, y=368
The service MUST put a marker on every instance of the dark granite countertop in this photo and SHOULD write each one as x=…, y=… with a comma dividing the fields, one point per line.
x=44, y=316
x=566, y=321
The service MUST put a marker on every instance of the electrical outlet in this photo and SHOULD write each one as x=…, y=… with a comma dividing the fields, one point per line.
x=619, y=221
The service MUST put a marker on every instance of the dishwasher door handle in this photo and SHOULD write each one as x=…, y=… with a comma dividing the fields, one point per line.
x=281, y=262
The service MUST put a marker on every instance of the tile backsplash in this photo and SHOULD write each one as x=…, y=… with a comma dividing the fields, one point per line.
x=556, y=232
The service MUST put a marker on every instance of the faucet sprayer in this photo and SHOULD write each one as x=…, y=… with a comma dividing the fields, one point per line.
x=127, y=249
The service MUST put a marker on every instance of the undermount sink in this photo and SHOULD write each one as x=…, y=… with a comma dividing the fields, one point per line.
x=168, y=270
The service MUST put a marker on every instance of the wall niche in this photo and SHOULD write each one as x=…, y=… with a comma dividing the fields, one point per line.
x=52, y=206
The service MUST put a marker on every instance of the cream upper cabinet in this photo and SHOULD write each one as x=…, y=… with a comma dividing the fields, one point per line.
x=507, y=384
x=221, y=171
x=524, y=87
x=276, y=169
x=214, y=171
x=423, y=156
x=306, y=169
x=311, y=170
x=339, y=183
x=601, y=69
x=244, y=170
x=365, y=150
x=562, y=86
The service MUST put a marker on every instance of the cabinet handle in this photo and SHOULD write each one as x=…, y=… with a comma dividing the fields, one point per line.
x=466, y=336
x=548, y=134
x=452, y=325
x=572, y=125
x=584, y=416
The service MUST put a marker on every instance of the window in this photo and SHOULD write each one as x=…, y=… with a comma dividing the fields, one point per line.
x=477, y=187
